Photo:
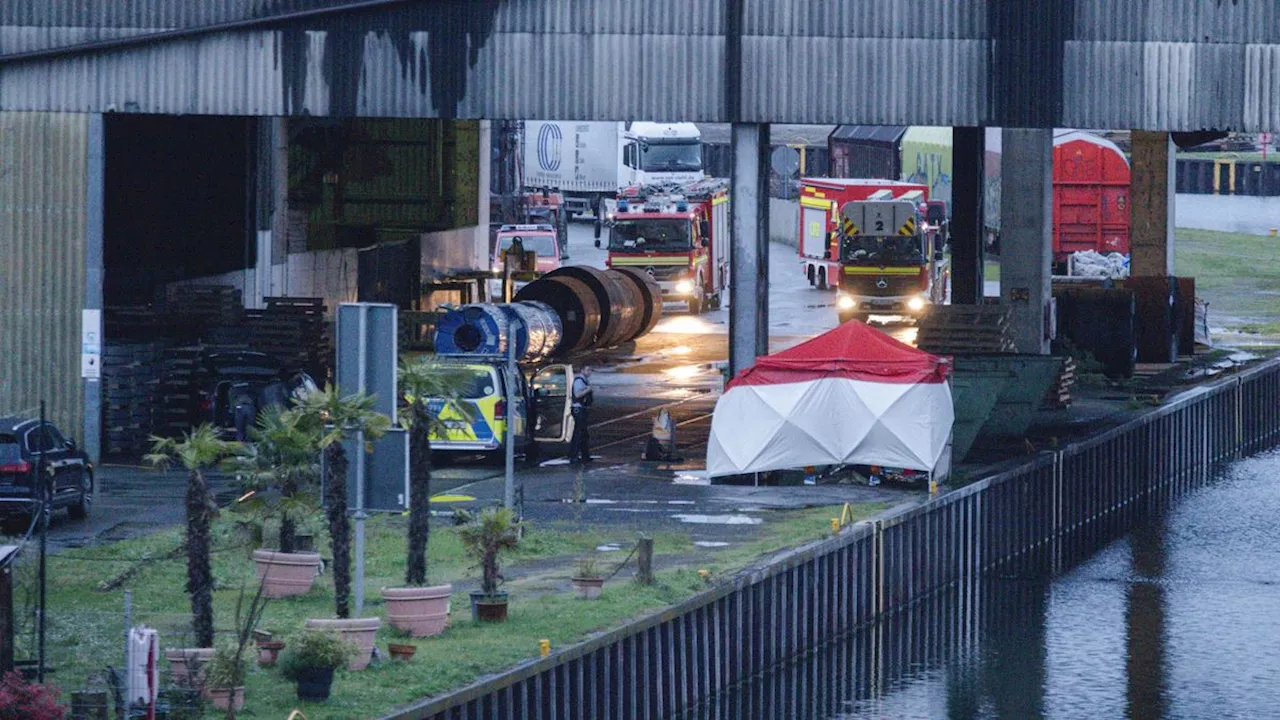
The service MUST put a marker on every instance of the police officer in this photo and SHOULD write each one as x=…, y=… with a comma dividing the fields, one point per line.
x=580, y=443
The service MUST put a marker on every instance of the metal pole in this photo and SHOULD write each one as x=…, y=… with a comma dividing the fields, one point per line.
x=509, y=486
x=749, y=256
x=128, y=622
x=43, y=509
x=360, y=518
x=359, y=515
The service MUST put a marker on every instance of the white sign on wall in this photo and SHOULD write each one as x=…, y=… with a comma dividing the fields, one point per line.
x=91, y=344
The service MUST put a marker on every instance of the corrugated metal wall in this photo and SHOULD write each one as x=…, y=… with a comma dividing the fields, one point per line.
x=43, y=160
x=1153, y=64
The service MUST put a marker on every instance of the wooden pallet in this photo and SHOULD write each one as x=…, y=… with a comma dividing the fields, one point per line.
x=952, y=329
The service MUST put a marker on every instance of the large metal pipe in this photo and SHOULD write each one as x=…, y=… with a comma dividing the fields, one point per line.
x=533, y=328
x=574, y=303
x=650, y=293
x=619, y=304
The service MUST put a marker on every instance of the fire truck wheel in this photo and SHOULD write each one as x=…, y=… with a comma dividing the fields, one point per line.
x=697, y=303
x=822, y=278
x=812, y=280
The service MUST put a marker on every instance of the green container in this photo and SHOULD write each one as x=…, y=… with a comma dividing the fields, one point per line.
x=1000, y=393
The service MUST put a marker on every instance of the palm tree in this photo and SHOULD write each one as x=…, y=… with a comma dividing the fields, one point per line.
x=283, y=455
x=196, y=451
x=334, y=418
x=421, y=382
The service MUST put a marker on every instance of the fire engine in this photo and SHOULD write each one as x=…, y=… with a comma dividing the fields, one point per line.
x=889, y=264
x=820, y=203
x=679, y=234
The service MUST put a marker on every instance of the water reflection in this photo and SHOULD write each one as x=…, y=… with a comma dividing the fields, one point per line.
x=1181, y=619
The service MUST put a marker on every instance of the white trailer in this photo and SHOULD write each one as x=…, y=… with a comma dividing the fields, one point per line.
x=590, y=161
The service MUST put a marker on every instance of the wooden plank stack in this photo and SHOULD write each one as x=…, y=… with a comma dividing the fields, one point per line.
x=130, y=383
x=1059, y=396
x=292, y=330
x=211, y=304
x=961, y=329
x=179, y=392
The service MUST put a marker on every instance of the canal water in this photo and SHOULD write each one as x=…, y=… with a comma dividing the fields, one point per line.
x=1180, y=619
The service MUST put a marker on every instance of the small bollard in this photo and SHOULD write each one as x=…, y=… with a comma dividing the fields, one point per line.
x=544, y=647
x=835, y=525
x=1275, y=232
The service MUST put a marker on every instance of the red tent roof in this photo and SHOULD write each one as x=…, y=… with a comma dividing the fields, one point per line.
x=853, y=350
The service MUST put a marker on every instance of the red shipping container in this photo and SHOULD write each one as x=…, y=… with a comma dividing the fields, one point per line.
x=1090, y=196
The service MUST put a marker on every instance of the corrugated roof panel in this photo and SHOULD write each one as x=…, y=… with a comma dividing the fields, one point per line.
x=43, y=160
x=654, y=17
x=1262, y=86
x=1102, y=84
x=1216, y=21
x=867, y=81
x=916, y=19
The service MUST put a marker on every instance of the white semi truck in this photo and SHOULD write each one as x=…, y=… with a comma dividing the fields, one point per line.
x=589, y=161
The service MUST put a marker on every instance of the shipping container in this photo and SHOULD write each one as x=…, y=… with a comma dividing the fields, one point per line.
x=867, y=151
x=1090, y=195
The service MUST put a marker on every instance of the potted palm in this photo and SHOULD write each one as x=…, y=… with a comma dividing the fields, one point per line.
x=421, y=609
x=587, y=581
x=494, y=531
x=279, y=469
x=311, y=660
x=334, y=418
x=197, y=451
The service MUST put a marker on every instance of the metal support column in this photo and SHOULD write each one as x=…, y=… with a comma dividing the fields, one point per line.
x=749, y=256
x=967, y=197
x=95, y=189
x=1026, y=218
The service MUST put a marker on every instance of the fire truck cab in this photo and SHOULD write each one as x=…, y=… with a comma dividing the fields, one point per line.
x=679, y=235
x=888, y=263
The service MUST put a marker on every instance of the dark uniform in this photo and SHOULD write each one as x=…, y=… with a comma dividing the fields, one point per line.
x=580, y=443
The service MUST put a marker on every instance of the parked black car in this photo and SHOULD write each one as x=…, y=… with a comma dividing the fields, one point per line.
x=238, y=385
x=28, y=447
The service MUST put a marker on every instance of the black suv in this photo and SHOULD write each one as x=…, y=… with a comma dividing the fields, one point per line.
x=28, y=445
x=237, y=385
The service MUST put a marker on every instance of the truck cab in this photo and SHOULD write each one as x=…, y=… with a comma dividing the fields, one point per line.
x=654, y=153
x=475, y=421
x=676, y=234
x=889, y=264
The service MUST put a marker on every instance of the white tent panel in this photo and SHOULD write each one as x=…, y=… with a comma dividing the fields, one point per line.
x=831, y=421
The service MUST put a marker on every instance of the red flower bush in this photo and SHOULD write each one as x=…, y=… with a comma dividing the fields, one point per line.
x=21, y=700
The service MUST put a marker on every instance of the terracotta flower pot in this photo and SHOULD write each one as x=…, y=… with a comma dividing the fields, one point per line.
x=269, y=652
x=183, y=661
x=286, y=574
x=360, y=632
x=588, y=588
x=224, y=698
x=402, y=651
x=419, y=611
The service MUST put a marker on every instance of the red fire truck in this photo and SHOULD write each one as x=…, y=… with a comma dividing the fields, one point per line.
x=679, y=234
x=820, y=203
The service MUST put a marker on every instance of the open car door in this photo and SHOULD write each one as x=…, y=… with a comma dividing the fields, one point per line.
x=552, y=400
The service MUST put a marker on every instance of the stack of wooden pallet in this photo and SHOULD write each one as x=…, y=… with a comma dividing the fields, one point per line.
x=210, y=304
x=958, y=329
x=179, y=401
x=1059, y=396
x=130, y=383
x=292, y=330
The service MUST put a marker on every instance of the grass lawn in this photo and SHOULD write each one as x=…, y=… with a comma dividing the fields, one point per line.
x=85, y=622
x=1236, y=274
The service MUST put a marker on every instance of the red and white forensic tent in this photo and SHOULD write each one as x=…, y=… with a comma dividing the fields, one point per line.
x=853, y=396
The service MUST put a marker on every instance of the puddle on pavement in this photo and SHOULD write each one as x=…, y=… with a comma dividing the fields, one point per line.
x=691, y=478
x=608, y=548
x=680, y=502
x=684, y=372
x=600, y=501
x=718, y=519
x=710, y=544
